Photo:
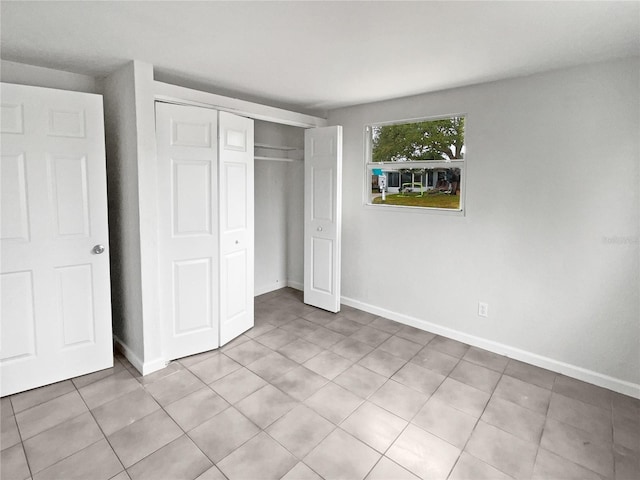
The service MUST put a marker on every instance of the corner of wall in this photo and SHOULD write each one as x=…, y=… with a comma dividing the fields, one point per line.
x=145, y=368
x=124, y=219
x=144, y=88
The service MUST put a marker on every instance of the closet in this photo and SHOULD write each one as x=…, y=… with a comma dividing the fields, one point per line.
x=279, y=206
x=210, y=264
x=298, y=211
x=211, y=204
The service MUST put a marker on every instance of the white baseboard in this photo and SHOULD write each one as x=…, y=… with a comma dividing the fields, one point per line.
x=277, y=286
x=145, y=368
x=268, y=288
x=595, y=378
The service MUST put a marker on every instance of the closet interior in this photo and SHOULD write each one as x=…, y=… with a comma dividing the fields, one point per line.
x=279, y=206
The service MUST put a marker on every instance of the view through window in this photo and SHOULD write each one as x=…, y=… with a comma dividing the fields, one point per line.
x=416, y=163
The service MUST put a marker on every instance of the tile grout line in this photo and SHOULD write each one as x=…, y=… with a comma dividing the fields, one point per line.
x=73, y=418
x=51, y=428
x=453, y=467
x=162, y=408
x=24, y=450
x=544, y=426
x=409, y=422
x=416, y=414
x=106, y=438
x=388, y=378
x=547, y=417
x=335, y=426
x=299, y=460
x=90, y=411
x=261, y=430
x=76, y=389
x=613, y=433
x=103, y=434
x=184, y=432
x=463, y=449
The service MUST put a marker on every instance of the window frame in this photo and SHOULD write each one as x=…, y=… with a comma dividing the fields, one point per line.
x=369, y=165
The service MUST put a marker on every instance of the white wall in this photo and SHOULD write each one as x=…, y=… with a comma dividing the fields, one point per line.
x=270, y=226
x=20, y=73
x=147, y=184
x=550, y=235
x=274, y=242
x=295, y=224
x=124, y=215
x=130, y=133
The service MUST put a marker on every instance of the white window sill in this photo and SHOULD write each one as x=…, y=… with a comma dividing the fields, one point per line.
x=422, y=210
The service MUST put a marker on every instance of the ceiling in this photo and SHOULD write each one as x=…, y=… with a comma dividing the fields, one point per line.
x=315, y=56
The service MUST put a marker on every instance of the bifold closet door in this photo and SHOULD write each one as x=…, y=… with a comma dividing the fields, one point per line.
x=236, y=225
x=322, y=217
x=205, y=206
x=188, y=240
x=55, y=321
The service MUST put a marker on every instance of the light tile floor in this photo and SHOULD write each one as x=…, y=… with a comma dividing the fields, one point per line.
x=306, y=394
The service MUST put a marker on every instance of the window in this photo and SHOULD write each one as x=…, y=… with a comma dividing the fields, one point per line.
x=416, y=164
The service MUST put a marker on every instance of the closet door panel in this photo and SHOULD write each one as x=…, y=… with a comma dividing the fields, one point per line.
x=236, y=225
x=193, y=296
x=323, y=217
x=236, y=298
x=234, y=177
x=192, y=197
x=188, y=223
x=14, y=217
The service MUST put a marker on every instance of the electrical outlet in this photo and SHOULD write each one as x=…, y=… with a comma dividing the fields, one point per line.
x=483, y=309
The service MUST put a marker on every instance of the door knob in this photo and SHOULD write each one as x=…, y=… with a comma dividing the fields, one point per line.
x=98, y=249
x=319, y=229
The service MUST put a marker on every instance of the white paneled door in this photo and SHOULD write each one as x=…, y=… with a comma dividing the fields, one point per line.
x=205, y=204
x=55, y=291
x=322, y=217
x=236, y=225
x=188, y=221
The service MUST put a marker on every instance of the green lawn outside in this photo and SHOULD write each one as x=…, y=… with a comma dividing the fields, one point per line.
x=433, y=200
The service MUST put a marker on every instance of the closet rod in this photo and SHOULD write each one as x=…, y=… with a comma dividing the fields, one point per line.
x=275, y=147
x=276, y=159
